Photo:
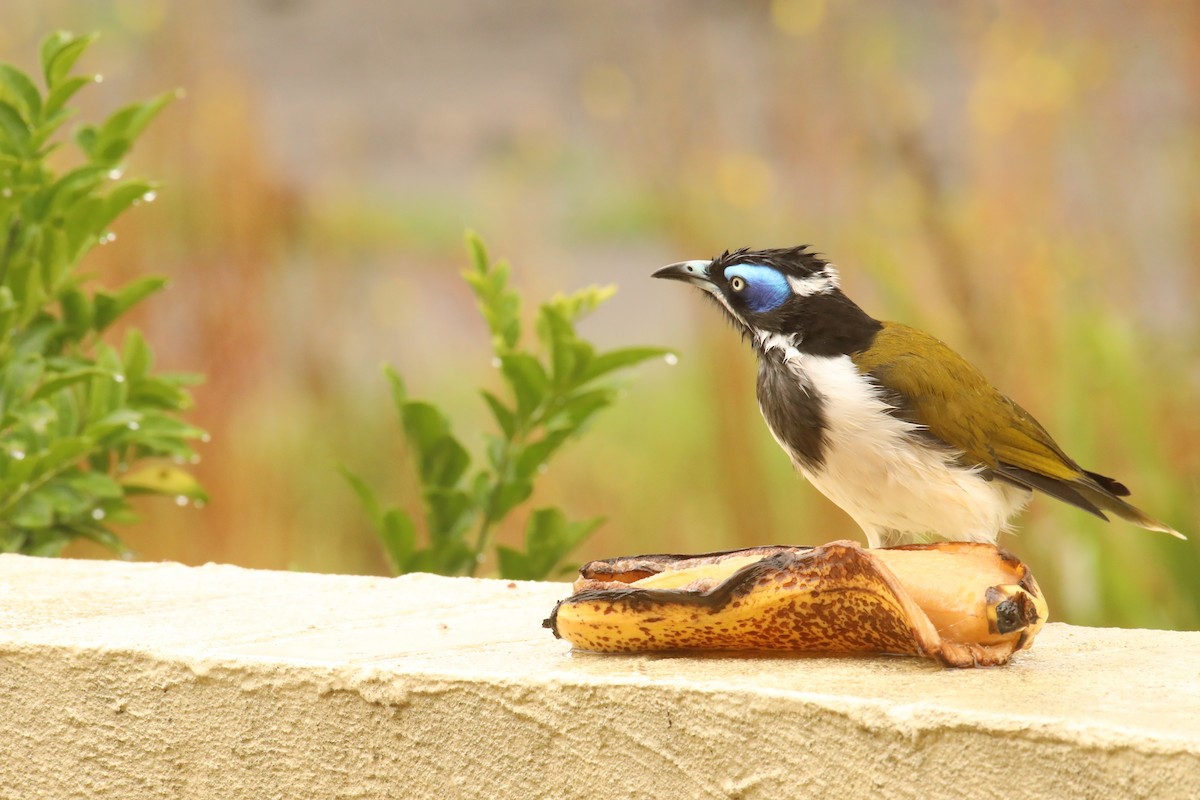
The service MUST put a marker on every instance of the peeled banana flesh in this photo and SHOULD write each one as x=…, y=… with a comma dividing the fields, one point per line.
x=960, y=603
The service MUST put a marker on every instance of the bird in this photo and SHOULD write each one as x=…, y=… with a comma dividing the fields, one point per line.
x=892, y=425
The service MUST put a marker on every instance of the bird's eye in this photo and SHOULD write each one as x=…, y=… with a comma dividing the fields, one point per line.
x=738, y=283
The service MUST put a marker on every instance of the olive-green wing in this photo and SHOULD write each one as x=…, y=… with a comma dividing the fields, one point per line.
x=935, y=387
x=931, y=385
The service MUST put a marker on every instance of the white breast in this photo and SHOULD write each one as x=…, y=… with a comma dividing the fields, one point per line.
x=881, y=473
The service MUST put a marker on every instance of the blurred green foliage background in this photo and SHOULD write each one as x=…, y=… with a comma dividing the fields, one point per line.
x=1018, y=178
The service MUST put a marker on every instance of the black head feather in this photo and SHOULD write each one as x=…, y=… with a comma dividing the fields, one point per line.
x=799, y=261
x=823, y=322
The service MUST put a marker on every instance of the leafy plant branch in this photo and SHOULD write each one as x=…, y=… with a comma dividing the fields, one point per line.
x=552, y=393
x=76, y=413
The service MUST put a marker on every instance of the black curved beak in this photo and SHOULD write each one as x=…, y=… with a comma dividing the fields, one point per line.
x=693, y=272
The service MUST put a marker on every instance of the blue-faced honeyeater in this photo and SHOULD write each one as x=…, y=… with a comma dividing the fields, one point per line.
x=889, y=423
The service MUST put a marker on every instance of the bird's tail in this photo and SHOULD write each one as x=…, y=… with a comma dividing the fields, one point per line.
x=1108, y=500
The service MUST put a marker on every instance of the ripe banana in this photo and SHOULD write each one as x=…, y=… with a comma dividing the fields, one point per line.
x=960, y=603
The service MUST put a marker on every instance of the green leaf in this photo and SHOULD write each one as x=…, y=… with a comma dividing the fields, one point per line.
x=549, y=538
x=66, y=502
x=62, y=381
x=513, y=564
x=21, y=92
x=8, y=308
x=58, y=97
x=110, y=307
x=77, y=317
x=399, y=394
x=56, y=260
x=101, y=535
x=71, y=187
x=160, y=424
x=568, y=354
x=574, y=306
x=500, y=306
x=444, y=462
x=60, y=51
x=96, y=484
x=535, y=454
x=164, y=480
x=574, y=410
x=66, y=412
x=399, y=537
x=450, y=558
x=63, y=452
x=14, y=131
x=45, y=543
x=366, y=496
x=449, y=512
x=116, y=420
x=137, y=357
x=34, y=510
x=7, y=303
x=503, y=414
x=114, y=138
x=479, y=256
x=121, y=197
x=424, y=425
x=528, y=381
x=161, y=391
x=508, y=496
x=85, y=137
x=613, y=360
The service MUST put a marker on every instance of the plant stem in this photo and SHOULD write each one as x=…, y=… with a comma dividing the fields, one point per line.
x=484, y=538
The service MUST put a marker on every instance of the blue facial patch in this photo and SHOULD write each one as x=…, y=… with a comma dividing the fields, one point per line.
x=766, y=288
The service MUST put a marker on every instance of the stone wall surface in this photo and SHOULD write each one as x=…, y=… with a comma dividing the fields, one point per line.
x=163, y=681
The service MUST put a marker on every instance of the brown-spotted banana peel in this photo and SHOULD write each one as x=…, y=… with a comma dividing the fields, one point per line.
x=959, y=603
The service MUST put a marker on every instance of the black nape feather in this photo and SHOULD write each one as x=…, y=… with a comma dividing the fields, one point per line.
x=830, y=325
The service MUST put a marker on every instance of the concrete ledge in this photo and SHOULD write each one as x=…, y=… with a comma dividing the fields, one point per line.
x=163, y=681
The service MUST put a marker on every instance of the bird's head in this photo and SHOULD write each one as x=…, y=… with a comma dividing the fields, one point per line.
x=765, y=292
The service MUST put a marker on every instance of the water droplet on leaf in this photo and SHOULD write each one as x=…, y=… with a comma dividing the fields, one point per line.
x=181, y=500
x=671, y=359
x=17, y=454
x=115, y=174
x=97, y=513
x=133, y=426
x=150, y=196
